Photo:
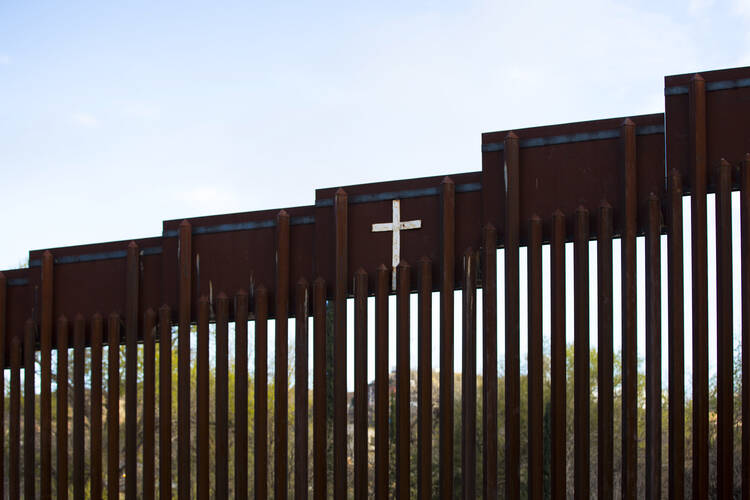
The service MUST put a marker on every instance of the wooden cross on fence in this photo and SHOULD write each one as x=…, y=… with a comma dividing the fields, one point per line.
x=396, y=227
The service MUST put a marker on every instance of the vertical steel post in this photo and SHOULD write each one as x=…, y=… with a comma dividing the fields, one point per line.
x=605, y=382
x=676, y=341
x=447, y=272
x=341, y=215
x=581, y=360
x=45, y=427
x=360, y=384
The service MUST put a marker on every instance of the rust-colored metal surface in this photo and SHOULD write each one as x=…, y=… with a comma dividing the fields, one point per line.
x=403, y=405
x=724, y=327
x=165, y=403
x=424, y=384
x=113, y=407
x=653, y=348
x=469, y=376
x=558, y=469
x=62, y=408
x=261, y=392
x=381, y=382
x=320, y=439
x=360, y=384
x=341, y=252
x=132, y=290
x=676, y=337
x=95, y=448
x=605, y=366
x=745, y=305
x=301, y=342
x=629, y=221
x=724, y=105
x=536, y=362
x=3, y=333
x=512, y=316
x=489, y=365
x=149, y=399
x=447, y=284
x=221, y=461
x=201, y=367
x=185, y=260
x=241, y=305
x=79, y=373
x=29, y=431
x=596, y=180
x=698, y=175
x=14, y=430
x=581, y=361
x=563, y=167
x=45, y=431
x=281, y=409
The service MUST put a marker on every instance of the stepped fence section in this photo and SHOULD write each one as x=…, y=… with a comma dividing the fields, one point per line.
x=594, y=181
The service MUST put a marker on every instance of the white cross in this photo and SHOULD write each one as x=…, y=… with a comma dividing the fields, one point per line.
x=396, y=226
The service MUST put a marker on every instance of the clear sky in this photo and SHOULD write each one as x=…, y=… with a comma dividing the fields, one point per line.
x=114, y=117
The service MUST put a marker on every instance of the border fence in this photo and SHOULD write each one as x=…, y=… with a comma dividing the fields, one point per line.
x=599, y=181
